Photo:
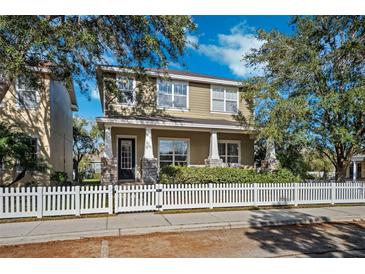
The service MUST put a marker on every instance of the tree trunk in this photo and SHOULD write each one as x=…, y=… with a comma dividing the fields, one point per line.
x=341, y=170
x=18, y=177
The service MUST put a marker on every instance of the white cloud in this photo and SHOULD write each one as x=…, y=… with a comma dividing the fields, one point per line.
x=95, y=94
x=192, y=41
x=231, y=48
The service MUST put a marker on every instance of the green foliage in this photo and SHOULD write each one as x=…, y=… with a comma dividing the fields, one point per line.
x=86, y=139
x=16, y=153
x=312, y=91
x=91, y=181
x=60, y=178
x=203, y=175
x=75, y=45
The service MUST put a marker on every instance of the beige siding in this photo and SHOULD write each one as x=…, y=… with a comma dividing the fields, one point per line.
x=35, y=122
x=61, y=129
x=199, y=143
x=199, y=104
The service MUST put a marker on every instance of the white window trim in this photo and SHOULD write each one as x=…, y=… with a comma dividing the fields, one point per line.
x=232, y=142
x=17, y=89
x=225, y=100
x=173, y=139
x=134, y=91
x=135, y=158
x=173, y=95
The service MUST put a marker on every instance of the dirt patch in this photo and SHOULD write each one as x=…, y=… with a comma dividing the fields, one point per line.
x=308, y=240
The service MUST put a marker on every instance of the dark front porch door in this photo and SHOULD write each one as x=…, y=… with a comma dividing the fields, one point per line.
x=126, y=159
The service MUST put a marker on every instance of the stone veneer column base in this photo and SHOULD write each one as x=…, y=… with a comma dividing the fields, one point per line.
x=149, y=170
x=214, y=162
x=109, y=171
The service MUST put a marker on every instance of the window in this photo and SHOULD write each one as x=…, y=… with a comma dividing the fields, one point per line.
x=173, y=152
x=126, y=87
x=172, y=95
x=27, y=95
x=229, y=152
x=224, y=99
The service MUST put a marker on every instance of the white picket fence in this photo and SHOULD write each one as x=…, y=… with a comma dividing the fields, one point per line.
x=159, y=197
x=55, y=201
x=76, y=200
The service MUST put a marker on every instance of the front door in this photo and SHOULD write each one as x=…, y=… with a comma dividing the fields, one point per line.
x=126, y=159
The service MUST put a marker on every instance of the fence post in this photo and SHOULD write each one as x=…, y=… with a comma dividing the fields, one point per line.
x=333, y=192
x=159, y=194
x=77, y=201
x=116, y=195
x=255, y=196
x=110, y=198
x=296, y=194
x=210, y=186
x=39, y=202
x=1, y=201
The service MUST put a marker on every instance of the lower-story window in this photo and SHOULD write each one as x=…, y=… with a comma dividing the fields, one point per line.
x=229, y=151
x=173, y=152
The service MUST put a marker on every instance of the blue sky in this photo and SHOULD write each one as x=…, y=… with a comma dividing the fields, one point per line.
x=221, y=40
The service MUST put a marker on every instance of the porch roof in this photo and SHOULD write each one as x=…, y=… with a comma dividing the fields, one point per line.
x=169, y=122
x=358, y=157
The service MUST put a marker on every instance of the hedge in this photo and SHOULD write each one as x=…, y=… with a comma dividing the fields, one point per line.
x=203, y=175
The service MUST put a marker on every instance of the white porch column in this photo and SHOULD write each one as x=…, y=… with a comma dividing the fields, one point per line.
x=148, y=149
x=354, y=174
x=108, y=153
x=213, y=149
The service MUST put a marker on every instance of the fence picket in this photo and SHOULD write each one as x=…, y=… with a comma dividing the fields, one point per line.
x=52, y=201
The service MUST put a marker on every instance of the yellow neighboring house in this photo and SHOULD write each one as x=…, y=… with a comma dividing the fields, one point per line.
x=46, y=116
x=194, y=124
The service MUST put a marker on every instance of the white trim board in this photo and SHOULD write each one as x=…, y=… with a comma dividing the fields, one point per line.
x=177, y=76
x=157, y=124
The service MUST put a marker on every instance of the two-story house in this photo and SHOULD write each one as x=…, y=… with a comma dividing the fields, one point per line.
x=194, y=124
x=45, y=114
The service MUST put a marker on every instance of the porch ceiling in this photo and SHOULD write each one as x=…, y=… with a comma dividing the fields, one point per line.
x=175, y=123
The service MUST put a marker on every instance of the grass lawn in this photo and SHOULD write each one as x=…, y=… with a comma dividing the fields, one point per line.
x=91, y=181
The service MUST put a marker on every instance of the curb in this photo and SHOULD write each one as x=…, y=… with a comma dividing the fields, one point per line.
x=164, y=229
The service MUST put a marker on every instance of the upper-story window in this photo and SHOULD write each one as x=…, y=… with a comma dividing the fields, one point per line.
x=126, y=88
x=172, y=95
x=224, y=99
x=27, y=94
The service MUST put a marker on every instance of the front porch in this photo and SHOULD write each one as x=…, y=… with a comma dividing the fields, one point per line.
x=134, y=152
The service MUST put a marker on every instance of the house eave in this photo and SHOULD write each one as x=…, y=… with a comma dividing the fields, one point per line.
x=115, y=122
x=175, y=76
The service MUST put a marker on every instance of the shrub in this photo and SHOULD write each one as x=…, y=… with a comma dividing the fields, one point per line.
x=60, y=178
x=203, y=175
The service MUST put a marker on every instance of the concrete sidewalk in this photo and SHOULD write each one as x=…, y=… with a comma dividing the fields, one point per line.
x=142, y=223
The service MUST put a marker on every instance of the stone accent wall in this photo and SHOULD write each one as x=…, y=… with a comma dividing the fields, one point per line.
x=149, y=169
x=109, y=171
x=214, y=162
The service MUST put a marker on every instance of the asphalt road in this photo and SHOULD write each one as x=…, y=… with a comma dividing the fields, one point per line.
x=315, y=240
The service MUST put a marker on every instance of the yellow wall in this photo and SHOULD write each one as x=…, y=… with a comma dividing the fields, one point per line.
x=199, y=143
x=35, y=122
x=50, y=122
